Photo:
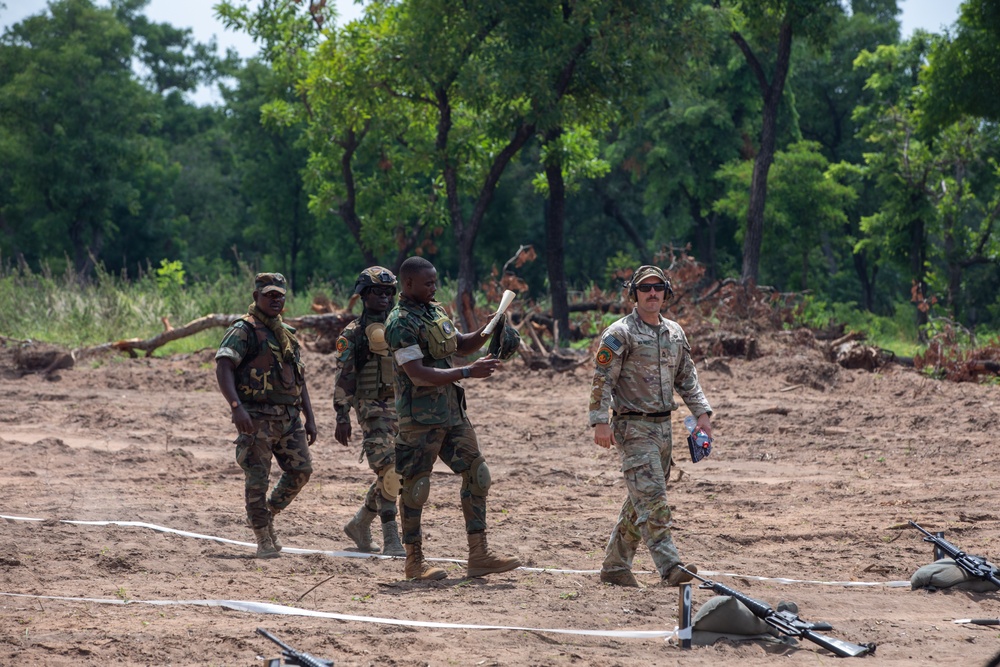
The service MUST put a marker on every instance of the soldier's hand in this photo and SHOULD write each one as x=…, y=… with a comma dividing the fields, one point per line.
x=311, y=431
x=242, y=420
x=705, y=423
x=484, y=367
x=343, y=433
x=604, y=436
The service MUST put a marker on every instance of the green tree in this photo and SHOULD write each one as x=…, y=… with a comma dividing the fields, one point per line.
x=772, y=24
x=805, y=203
x=963, y=74
x=939, y=184
x=76, y=122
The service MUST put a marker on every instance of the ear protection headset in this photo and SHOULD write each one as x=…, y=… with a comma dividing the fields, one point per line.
x=646, y=271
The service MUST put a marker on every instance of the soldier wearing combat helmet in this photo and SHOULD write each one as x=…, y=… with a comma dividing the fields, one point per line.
x=364, y=382
x=262, y=378
x=643, y=359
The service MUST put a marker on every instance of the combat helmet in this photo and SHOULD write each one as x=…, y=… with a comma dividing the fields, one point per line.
x=373, y=276
x=505, y=341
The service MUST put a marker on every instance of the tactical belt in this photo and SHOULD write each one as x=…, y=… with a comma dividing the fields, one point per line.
x=655, y=417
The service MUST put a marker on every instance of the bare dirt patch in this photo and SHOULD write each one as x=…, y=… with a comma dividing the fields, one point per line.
x=814, y=471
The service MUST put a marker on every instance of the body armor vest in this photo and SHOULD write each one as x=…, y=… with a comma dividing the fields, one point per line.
x=375, y=376
x=264, y=376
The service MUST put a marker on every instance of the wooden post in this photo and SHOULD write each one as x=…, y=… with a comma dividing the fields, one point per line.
x=684, y=617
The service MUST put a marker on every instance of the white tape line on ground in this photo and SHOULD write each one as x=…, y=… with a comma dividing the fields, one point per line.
x=358, y=554
x=268, y=608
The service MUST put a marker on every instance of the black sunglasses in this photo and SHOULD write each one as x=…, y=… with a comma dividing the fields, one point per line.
x=382, y=291
x=646, y=287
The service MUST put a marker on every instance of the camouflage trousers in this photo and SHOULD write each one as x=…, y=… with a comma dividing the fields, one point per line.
x=285, y=440
x=379, y=447
x=644, y=450
x=416, y=451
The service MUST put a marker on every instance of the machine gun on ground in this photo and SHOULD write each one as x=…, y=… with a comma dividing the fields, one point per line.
x=292, y=656
x=788, y=623
x=974, y=566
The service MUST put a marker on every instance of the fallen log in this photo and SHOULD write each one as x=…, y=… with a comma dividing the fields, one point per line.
x=329, y=325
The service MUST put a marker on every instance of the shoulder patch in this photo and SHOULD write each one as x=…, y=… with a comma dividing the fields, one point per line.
x=604, y=356
x=612, y=342
x=342, y=344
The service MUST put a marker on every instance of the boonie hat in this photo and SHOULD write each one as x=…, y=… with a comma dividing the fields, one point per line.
x=269, y=282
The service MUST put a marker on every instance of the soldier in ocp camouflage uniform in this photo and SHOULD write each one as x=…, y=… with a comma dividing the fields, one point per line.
x=430, y=402
x=261, y=375
x=643, y=358
x=364, y=381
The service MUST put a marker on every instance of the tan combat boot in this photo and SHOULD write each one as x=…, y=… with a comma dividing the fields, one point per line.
x=265, y=547
x=482, y=561
x=676, y=576
x=359, y=529
x=417, y=568
x=270, y=526
x=620, y=578
x=390, y=540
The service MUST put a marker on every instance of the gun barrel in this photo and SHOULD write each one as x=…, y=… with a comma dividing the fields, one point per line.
x=268, y=635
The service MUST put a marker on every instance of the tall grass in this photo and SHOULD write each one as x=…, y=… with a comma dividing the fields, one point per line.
x=64, y=310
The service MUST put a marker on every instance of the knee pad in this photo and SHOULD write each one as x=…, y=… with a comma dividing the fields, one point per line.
x=416, y=490
x=389, y=483
x=477, y=478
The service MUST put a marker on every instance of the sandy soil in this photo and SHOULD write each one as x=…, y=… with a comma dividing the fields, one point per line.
x=815, y=472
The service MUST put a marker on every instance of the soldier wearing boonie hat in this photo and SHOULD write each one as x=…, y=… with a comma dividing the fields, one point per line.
x=261, y=375
x=364, y=380
x=642, y=360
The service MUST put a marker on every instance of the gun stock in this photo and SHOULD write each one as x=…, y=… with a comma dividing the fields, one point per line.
x=788, y=623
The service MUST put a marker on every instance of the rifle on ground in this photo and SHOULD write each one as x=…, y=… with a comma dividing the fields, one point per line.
x=788, y=623
x=974, y=566
x=293, y=657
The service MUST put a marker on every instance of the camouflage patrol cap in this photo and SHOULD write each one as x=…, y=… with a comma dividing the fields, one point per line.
x=648, y=271
x=270, y=282
x=505, y=341
x=372, y=276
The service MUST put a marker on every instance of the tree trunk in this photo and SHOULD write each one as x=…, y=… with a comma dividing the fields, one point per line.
x=771, y=92
x=347, y=209
x=918, y=262
x=555, y=260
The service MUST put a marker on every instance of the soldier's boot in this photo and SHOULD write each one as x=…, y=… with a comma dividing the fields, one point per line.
x=265, y=547
x=417, y=568
x=391, y=545
x=482, y=561
x=359, y=529
x=620, y=578
x=270, y=526
x=676, y=577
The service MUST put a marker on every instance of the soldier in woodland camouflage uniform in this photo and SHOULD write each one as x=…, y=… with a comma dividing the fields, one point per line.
x=263, y=380
x=430, y=402
x=643, y=358
x=364, y=380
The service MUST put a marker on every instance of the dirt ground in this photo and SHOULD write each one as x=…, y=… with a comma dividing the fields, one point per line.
x=814, y=473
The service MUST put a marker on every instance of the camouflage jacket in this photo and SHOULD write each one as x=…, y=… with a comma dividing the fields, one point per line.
x=265, y=383
x=639, y=366
x=363, y=379
x=408, y=329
